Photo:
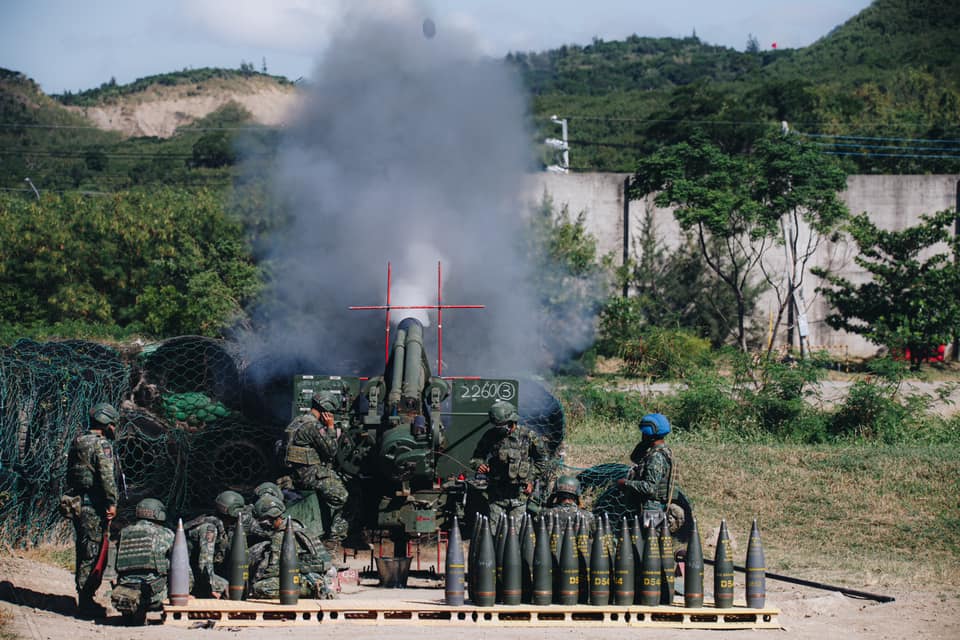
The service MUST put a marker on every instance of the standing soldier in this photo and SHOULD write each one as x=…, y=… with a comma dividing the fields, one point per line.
x=566, y=503
x=143, y=562
x=311, y=450
x=91, y=502
x=512, y=456
x=209, y=538
x=649, y=485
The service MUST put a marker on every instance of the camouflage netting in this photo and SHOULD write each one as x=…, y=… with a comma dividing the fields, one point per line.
x=46, y=390
x=193, y=421
x=602, y=496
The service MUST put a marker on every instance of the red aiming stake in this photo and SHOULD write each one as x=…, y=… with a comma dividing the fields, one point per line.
x=439, y=307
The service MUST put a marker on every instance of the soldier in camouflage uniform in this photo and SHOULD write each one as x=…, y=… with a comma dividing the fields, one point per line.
x=513, y=457
x=566, y=503
x=267, y=488
x=251, y=525
x=316, y=569
x=649, y=484
x=209, y=538
x=91, y=500
x=143, y=562
x=311, y=450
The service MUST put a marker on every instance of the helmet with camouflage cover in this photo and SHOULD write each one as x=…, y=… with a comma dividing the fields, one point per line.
x=268, y=489
x=568, y=485
x=324, y=401
x=501, y=412
x=229, y=503
x=103, y=414
x=268, y=507
x=151, y=509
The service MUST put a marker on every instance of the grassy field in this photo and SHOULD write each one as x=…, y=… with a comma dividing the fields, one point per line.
x=865, y=516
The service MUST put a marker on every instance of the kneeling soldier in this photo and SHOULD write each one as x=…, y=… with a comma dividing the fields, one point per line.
x=143, y=562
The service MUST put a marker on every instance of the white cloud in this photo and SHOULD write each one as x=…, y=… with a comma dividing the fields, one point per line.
x=303, y=26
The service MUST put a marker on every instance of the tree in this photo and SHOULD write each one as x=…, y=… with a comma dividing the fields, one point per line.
x=163, y=262
x=734, y=203
x=213, y=150
x=910, y=302
x=572, y=281
x=669, y=287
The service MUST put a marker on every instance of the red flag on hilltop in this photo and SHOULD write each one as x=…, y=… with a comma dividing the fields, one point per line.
x=773, y=46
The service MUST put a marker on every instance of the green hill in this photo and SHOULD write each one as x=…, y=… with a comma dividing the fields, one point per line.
x=890, y=72
x=111, y=91
x=60, y=150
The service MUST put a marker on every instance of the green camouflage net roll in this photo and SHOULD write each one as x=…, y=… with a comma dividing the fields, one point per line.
x=602, y=496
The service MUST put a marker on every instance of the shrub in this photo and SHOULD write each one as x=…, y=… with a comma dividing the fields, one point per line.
x=665, y=354
x=706, y=404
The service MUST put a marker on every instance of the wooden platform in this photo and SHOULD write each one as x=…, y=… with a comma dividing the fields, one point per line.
x=265, y=613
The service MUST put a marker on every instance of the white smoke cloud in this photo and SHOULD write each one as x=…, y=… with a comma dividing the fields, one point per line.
x=411, y=151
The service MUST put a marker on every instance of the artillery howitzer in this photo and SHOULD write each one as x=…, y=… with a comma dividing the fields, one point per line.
x=406, y=440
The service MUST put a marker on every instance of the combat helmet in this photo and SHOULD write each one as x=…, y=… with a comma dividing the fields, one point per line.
x=268, y=507
x=151, y=509
x=324, y=401
x=268, y=489
x=654, y=426
x=501, y=412
x=103, y=414
x=229, y=503
x=569, y=485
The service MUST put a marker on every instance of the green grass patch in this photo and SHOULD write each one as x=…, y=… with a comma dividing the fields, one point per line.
x=860, y=514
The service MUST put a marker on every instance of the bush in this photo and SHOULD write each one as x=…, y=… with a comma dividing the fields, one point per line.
x=778, y=398
x=665, y=354
x=705, y=405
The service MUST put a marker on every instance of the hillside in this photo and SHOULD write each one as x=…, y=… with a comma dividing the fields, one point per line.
x=881, y=92
x=174, y=129
x=889, y=72
x=158, y=105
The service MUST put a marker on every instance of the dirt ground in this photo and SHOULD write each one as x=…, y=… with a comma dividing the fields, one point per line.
x=36, y=601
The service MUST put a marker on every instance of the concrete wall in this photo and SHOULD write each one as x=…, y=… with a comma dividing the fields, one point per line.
x=893, y=202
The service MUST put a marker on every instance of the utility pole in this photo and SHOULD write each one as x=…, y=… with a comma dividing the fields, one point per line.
x=560, y=145
x=956, y=261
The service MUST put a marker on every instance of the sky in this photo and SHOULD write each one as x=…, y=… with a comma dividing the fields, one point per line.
x=79, y=44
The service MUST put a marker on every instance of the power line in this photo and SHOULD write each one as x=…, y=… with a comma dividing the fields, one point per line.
x=882, y=146
x=877, y=138
x=186, y=129
x=870, y=154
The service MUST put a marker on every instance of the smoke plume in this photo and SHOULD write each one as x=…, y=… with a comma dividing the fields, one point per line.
x=409, y=151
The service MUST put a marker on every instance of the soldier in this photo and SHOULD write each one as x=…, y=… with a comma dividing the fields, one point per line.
x=311, y=449
x=267, y=488
x=209, y=538
x=251, y=525
x=649, y=485
x=91, y=502
x=512, y=456
x=566, y=503
x=316, y=569
x=143, y=562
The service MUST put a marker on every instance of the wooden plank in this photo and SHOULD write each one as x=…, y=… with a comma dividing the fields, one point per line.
x=266, y=613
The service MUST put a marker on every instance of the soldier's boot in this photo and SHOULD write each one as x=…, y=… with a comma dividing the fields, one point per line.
x=335, y=550
x=90, y=609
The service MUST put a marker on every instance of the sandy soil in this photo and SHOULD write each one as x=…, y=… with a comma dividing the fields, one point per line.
x=37, y=601
x=160, y=110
